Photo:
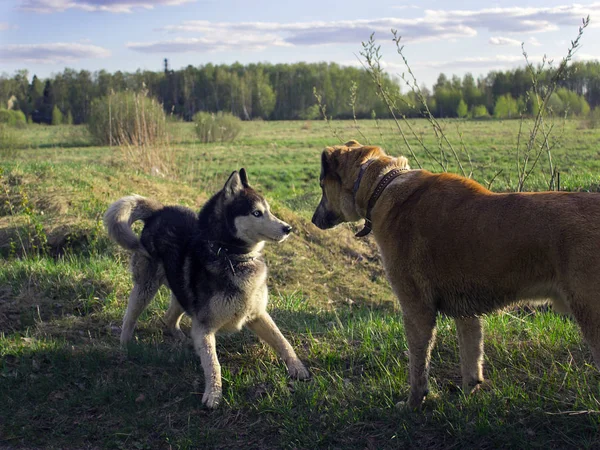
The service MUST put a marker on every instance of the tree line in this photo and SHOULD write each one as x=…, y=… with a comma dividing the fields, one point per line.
x=286, y=91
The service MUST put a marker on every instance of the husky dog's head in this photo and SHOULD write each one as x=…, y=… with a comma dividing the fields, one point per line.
x=248, y=214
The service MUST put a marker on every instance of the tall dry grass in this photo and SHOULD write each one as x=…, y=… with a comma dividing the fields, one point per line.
x=137, y=125
x=217, y=127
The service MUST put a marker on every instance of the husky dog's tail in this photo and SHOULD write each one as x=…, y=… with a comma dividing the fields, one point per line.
x=120, y=216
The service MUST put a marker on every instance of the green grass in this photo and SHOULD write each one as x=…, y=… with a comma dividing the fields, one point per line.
x=65, y=383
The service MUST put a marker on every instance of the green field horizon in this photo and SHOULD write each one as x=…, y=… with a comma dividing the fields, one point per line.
x=66, y=384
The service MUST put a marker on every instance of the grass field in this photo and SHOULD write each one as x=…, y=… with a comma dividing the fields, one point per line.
x=65, y=383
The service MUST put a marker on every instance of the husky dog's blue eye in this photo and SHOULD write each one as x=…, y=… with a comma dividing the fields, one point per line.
x=257, y=213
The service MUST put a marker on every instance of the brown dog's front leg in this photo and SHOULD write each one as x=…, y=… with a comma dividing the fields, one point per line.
x=470, y=344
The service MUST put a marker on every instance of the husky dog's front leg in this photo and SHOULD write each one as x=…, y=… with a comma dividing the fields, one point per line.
x=265, y=328
x=205, y=345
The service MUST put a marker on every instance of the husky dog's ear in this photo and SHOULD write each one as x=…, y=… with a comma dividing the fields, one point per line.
x=244, y=177
x=233, y=185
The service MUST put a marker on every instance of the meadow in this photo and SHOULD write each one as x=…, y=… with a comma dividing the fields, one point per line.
x=65, y=382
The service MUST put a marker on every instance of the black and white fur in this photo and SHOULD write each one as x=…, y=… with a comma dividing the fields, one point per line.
x=212, y=263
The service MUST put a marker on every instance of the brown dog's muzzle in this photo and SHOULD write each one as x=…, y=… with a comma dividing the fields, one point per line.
x=324, y=218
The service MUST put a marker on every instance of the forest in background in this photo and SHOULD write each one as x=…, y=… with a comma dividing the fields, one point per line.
x=286, y=91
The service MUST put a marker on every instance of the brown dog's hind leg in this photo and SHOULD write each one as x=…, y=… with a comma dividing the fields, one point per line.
x=470, y=343
x=419, y=324
x=587, y=315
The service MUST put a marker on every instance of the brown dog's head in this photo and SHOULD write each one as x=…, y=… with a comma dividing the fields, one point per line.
x=340, y=166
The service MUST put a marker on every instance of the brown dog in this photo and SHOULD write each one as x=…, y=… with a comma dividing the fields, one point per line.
x=449, y=245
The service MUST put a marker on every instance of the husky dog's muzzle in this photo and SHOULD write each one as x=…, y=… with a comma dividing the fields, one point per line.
x=276, y=229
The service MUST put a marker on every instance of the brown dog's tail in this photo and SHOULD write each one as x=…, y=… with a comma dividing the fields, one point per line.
x=122, y=214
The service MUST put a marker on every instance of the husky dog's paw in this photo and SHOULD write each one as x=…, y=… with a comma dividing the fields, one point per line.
x=212, y=398
x=297, y=370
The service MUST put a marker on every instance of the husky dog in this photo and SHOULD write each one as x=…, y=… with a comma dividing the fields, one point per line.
x=213, y=265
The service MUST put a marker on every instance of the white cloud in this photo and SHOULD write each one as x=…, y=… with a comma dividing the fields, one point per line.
x=53, y=53
x=406, y=7
x=485, y=62
x=586, y=57
x=114, y=6
x=7, y=26
x=432, y=25
x=243, y=42
x=504, y=41
x=333, y=32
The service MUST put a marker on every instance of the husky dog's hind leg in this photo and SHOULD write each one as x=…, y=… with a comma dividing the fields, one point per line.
x=173, y=318
x=147, y=278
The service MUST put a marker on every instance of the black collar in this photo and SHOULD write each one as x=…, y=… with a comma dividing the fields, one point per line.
x=231, y=253
x=361, y=172
x=383, y=183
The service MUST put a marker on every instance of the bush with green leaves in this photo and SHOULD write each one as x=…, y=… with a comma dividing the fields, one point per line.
x=506, y=107
x=57, y=116
x=219, y=127
x=462, y=110
x=480, y=112
x=593, y=120
x=10, y=140
x=12, y=118
x=127, y=119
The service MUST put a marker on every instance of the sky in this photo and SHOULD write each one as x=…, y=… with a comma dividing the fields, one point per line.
x=45, y=36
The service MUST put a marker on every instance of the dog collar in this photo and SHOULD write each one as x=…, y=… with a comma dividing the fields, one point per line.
x=383, y=183
x=219, y=249
x=361, y=172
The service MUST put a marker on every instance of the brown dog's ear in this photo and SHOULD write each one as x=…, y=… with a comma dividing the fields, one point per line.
x=352, y=143
x=326, y=161
x=244, y=177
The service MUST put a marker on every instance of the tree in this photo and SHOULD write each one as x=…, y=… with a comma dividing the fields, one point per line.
x=462, y=110
x=506, y=107
x=556, y=105
x=479, y=112
x=57, y=116
x=263, y=97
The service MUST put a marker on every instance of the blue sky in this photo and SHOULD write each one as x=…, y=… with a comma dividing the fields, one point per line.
x=45, y=36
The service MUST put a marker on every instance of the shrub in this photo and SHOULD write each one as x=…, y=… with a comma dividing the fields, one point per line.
x=57, y=116
x=462, y=110
x=506, y=107
x=219, y=127
x=480, y=112
x=10, y=140
x=12, y=118
x=136, y=124
x=68, y=120
x=127, y=119
x=593, y=120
